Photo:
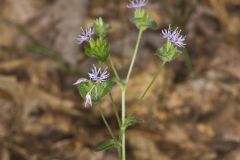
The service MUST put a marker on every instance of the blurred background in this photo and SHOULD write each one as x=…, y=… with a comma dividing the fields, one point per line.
x=192, y=112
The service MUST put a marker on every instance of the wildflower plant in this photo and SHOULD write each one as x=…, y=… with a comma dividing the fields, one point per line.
x=99, y=81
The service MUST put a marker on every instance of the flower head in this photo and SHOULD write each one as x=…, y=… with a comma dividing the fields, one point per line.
x=136, y=4
x=97, y=75
x=174, y=37
x=85, y=36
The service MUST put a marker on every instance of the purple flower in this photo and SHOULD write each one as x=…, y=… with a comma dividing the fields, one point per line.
x=85, y=36
x=136, y=4
x=174, y=37
x=96, y=76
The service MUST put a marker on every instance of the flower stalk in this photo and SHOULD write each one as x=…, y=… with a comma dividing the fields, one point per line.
x=134, y=55
x=153, y=80
x=123, y=95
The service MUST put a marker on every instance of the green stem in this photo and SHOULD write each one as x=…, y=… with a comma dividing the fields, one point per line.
x=107, y=125
x=122, y=129
x=134, y=55
x=123, y=90
x=113, y=68
x=119, y=153
x=153, y=80
x=115, y=110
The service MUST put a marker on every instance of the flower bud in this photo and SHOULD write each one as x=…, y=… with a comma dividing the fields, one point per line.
x=101, y=28
x=142, y=20
x=98, y=48
x=167, y=52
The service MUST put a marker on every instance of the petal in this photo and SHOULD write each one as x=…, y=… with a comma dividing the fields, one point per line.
x=88, y=100
x=80, y=80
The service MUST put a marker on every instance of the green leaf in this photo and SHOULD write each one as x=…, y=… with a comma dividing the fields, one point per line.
x=98, y=90
x=152, y=24
x=102, y=89
x=106, y=145
x=84, y=88
x=130, y=121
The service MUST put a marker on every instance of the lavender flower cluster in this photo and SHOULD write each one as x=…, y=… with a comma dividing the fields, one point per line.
x=136, y=4
x=174, y=37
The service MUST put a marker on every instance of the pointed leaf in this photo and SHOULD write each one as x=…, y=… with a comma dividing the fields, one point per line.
x=106, y=145
x=152, y=24
x=132, y=121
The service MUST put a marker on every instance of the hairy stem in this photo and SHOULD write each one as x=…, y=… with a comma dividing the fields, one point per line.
x=153, y=80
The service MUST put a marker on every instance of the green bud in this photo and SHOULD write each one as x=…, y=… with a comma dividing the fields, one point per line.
x=98, y=48
x=167, y=52
x=101, y=28
x=142, y=20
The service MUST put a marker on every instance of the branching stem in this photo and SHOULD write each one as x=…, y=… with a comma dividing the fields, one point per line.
x=134, y=55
